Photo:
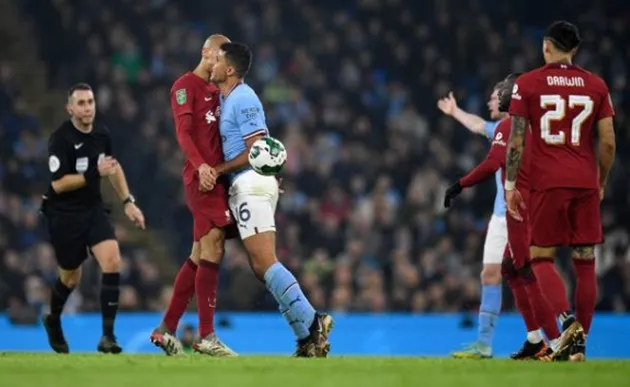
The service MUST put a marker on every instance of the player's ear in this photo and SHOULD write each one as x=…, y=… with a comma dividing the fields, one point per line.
x=69, y=108
x=230, y=71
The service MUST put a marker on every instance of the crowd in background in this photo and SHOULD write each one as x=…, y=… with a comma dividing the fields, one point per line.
x=350, y=87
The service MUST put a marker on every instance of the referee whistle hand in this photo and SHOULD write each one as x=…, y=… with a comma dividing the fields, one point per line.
x=135, y=215
x=107, y=166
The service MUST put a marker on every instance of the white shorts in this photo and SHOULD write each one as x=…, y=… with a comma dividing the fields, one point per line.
x=496, y=239
x=253, y=201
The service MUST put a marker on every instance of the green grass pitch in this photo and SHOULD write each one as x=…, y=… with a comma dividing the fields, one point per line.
x=91, y=370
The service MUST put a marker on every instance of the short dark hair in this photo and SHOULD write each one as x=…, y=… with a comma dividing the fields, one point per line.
x=564, y=35
x=505, y=91
x=78, y=86
x=239, y=56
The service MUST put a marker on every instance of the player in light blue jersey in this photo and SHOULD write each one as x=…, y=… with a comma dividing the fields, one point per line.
x=253, y=199
x=496, y=236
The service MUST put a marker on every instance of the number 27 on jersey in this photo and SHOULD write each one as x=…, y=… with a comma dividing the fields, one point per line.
x=557, y=108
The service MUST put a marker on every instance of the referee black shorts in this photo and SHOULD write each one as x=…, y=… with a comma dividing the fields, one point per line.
x=72, y=234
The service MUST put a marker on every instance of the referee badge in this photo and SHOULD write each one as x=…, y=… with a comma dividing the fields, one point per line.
x=180, y=96
x=82, y=164
x=54, y=163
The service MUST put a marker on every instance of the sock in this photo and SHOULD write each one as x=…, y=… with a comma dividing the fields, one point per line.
x=299, y=329
x=206, y=282
x=522, y=304
x=286, y=290
x=183, y=291
x=534, y=337
x=110, y=290
x=585, y=291
x=58, y=297
x=542, y=310
x=551, y=284
x=489, y=312
x=554, y=344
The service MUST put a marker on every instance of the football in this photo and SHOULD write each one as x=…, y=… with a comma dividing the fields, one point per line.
x=267, y=156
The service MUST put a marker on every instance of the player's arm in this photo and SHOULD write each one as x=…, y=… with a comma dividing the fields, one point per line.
x=519, y=112
x=182, y=108
x=515, y=149
x=64, y=179
x=250, y=119
x=485, y=170
x=607, y=145
x=472, y=122
x=480, y=173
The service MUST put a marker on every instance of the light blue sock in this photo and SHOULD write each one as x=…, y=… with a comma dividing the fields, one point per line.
x=299, y=329
x=489, y=312
x=286, y=290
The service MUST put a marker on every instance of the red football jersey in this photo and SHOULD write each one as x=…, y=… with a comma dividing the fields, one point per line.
x=499, y=152
x=562, y=103
x=201, y=140
x=496, y=159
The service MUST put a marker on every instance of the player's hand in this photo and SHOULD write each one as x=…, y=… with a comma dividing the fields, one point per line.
x=451, y=193
x=135, y=215
x=107, y=166
x=515, y=204
x=524, y=270
x=207, y=178
x=448, y=105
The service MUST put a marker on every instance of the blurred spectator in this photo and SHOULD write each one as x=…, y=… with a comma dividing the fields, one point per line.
x=350, y=88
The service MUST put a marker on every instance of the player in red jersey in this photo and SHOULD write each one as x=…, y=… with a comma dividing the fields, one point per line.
x=195, y=108
x=562, y=103
x=515, y=267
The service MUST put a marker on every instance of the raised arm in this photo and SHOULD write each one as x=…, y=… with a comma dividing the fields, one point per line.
x=472, y=122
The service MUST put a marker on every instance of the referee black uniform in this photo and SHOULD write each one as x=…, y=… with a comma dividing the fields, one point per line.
x=77, y=220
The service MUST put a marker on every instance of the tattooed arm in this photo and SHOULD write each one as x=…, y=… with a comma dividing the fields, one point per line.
x=516, y=146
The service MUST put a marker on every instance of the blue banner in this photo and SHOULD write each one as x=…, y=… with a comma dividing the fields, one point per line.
x=354, y=334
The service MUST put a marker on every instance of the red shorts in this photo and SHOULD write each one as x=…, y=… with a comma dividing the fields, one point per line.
x=519, y=234
x=209, y=210
x=565, y=217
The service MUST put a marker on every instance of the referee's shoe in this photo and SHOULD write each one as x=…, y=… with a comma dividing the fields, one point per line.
x=108, y=345
x=56, y=339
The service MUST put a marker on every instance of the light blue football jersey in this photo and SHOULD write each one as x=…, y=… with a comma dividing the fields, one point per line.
x=242, y=117
x=499, y=199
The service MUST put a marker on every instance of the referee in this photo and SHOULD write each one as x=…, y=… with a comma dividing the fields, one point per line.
x=79, y=154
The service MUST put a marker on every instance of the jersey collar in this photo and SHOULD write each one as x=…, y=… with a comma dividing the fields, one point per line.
x=224, y=97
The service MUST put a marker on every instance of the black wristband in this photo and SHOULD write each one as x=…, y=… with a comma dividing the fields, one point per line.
x=130, y=199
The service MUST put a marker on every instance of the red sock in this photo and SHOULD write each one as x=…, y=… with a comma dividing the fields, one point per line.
x=522, y=304
x=206, y=283
x=542, y=310
x=183, y=290
x=551, y=284
x=585, y=291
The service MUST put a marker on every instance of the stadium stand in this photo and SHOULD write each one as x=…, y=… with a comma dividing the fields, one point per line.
x=350, y=87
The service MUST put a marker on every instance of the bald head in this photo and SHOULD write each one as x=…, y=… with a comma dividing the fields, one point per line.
x=215, y=41
x=210, y=51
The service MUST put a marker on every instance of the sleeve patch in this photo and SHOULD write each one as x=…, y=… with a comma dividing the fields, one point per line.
x=53, y=163
x=181, y=97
